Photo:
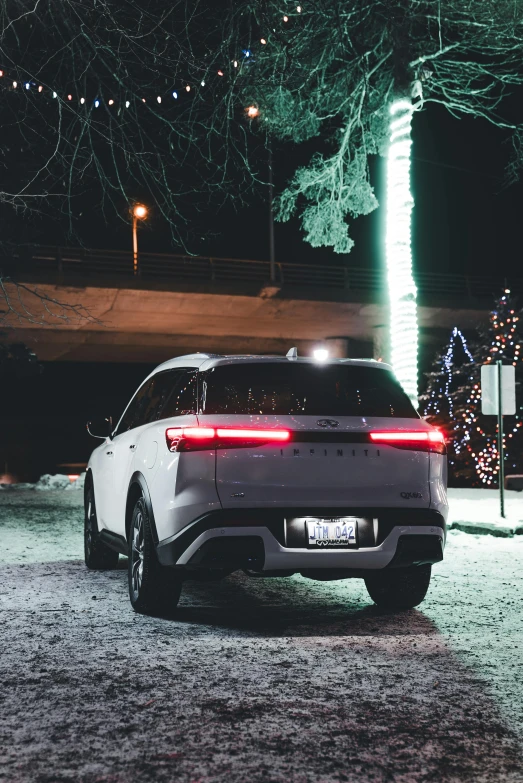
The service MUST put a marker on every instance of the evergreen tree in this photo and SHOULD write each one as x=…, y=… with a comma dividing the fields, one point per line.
x=451, y=371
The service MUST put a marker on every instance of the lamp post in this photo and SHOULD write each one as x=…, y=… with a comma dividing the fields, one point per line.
x=139, y=213
x=253, y=113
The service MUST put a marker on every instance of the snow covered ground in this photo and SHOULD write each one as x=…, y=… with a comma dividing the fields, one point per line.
x=255, y=680
x=479, y=508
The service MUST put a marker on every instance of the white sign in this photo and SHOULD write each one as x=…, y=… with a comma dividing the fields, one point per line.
x=489, y=389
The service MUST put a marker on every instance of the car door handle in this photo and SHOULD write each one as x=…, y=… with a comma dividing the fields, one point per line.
x=132, y=447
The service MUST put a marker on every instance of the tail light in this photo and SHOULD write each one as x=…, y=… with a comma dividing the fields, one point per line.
x=201, y=438
x=431, y=440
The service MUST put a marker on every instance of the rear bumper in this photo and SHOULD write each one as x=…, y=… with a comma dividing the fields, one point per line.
x=258, y=543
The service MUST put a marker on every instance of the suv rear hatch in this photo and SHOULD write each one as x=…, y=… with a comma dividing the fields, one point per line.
x=329, y=458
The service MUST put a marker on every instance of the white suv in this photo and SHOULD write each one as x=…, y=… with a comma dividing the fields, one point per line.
x=272, y=465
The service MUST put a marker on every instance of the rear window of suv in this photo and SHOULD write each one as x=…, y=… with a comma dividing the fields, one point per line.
x=303, y=389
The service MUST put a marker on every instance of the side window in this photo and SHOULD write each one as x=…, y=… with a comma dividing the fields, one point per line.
x=163, y=385
x=169, y=393
x=182, y=400
x=133, y=415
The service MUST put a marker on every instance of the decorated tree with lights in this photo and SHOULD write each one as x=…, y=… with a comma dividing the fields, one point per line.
x=475, y=451
x=353, y=75
x=450, y=371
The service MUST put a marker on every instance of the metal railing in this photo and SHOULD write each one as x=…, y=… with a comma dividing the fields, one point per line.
x=62, y=264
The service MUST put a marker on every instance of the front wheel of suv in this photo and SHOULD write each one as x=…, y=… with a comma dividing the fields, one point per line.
x=399, y=588
x=98, y=556
x=153, y=588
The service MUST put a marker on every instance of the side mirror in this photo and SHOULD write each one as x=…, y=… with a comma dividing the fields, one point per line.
x=100, y=428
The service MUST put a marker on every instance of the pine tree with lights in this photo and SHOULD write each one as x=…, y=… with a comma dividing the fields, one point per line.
x=450, y=370
x=473, y=457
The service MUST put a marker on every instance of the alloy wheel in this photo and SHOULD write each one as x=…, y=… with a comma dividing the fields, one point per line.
x=137, y=553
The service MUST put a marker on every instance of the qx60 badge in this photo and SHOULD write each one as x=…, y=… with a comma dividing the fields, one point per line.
x=328, y=423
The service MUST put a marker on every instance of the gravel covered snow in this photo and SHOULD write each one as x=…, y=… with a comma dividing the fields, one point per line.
x=273, y=680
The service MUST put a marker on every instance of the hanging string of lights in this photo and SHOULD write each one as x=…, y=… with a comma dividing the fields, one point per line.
x=97, y=101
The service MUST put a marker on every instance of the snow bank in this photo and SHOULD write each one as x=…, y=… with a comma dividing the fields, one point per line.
x=480, y=507
x=48, y=481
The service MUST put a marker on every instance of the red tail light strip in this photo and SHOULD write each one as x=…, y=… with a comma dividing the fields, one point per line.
x=431, y=440
x=248, y=434
x=194, y=438
x=198, y=438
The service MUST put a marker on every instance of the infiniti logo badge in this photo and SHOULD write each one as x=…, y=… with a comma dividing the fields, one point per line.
x=328, y=423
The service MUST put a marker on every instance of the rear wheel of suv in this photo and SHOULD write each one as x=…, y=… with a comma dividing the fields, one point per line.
x=399, y=588
x=98, y=556
x=153, y=589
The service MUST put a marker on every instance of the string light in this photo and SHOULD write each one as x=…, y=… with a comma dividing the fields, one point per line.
x=111, y=102
x=159, y=98
x=96, y=104
x=285, y=18
x=402, y=288
x=40, y=88
x=263, y=41
x=175, y=95
x=127, y=104
x=82, y=101
x=188, y=88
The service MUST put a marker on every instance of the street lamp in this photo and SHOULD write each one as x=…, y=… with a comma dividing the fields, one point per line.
x=253, y=113
x=139, y=213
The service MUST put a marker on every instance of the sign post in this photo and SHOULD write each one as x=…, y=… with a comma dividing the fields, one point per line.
x=498, y=398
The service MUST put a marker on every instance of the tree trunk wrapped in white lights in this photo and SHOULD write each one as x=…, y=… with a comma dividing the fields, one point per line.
x=401, y=285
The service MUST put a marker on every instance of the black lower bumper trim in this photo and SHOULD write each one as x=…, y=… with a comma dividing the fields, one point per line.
x=417, y=550
x=231, y=552
x=171, y=549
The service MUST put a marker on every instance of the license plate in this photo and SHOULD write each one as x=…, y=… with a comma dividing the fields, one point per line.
x=331, y=533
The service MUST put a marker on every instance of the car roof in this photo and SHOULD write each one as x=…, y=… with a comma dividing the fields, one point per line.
x=206, y=361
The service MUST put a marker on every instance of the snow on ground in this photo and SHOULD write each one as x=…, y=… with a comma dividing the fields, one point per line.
x=482, y=506
x=255, y=680
x=47, y=482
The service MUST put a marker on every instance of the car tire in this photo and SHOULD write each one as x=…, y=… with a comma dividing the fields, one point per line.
x=98, y=556
x=399, y=588
x=153, y=588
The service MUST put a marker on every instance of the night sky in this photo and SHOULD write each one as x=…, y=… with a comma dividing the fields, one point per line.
x=465, y=221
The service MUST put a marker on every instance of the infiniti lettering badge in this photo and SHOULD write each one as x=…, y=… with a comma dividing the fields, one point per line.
x=328, y=423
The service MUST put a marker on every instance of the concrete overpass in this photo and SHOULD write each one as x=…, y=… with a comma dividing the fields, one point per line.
x=183, y=304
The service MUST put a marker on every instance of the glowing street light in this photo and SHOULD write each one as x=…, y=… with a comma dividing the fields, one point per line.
x=139, y=213
x=320, y=354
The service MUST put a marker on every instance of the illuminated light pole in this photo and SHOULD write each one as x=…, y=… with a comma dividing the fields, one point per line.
x=253, y=113
x=401, y=285
x=139, y=213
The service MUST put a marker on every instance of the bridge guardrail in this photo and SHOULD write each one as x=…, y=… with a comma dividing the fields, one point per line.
x=63, y=263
